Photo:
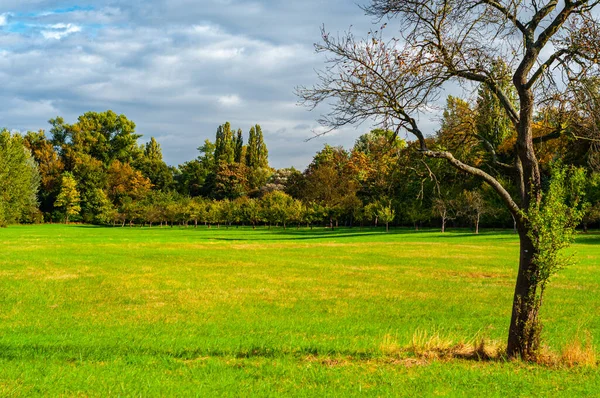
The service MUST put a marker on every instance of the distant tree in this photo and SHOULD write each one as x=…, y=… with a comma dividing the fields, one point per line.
x=197, y=177
x=105, y=136
x=416, y=212
x=124, y=180
x=331, y=181
x=444, y=208
x=50, y=168
x=276, y=208
x=213, y=213
x=197, y=210
x=257, y=154
x=371, y=214
x=473, y=207
x=238, y=147
x=224, y=145
x=257, y=158
x=231, y=181
x=68, y=199
x=374, y=161
x=311, y=213
x=19, y=179
x=252, y=211
x=278, y=181
x=294, y=184
x=153, y=167
x=106, y=209
x=386, y=214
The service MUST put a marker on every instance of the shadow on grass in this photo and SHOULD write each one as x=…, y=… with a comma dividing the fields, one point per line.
x=74, y=353
x=482, y=351
x=247, y=234
x=589, y=238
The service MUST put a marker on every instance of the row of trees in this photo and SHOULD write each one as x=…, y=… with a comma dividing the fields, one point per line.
x=94, y=171
x=275, y=208
x=82, y=169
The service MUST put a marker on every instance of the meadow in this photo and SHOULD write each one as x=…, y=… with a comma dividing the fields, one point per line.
x=90, y=311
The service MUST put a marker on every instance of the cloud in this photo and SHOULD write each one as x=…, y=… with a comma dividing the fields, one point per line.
x=176, y=68
x=3, y=19
x=60, y=30
x=229, y=100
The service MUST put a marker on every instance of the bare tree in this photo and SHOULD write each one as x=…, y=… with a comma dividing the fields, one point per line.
x=473, y=207
x=548, y=45
x=445, y=209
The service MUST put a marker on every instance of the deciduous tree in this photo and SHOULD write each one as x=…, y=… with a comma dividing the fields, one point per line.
x=68, y=199
x=549, y=48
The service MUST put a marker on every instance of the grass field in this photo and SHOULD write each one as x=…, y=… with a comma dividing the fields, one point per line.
x=91, y=311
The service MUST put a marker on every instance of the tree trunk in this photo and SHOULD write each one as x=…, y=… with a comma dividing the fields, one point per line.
x=523, y=334
x=477, y=225
x=387, y=227
x=443, y=224
x=585, y=228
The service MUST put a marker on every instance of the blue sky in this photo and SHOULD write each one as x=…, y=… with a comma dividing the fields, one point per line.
x=177, y=68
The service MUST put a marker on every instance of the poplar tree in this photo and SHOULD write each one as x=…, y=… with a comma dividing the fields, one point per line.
x=238, y=144
x=224, y=146
x=257, y=158
x=257, y=154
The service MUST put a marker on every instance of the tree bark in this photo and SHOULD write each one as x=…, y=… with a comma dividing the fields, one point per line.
x=524, y=330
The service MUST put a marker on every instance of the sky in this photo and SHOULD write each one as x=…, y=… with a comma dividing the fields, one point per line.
x=177, y=68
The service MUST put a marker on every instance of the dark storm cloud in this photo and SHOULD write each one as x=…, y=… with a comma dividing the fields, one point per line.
x=178, y=68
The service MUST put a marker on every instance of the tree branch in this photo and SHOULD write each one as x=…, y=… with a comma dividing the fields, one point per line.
x=495, y=184
x=545, y=66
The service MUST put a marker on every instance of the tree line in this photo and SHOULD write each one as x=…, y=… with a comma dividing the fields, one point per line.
x=94, y=171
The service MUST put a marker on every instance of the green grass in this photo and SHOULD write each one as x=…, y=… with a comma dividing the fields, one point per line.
x=88, y=311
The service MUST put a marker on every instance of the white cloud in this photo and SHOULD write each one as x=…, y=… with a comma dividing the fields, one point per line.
x=60, y=30
x=230, y=100
x=3, y=19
